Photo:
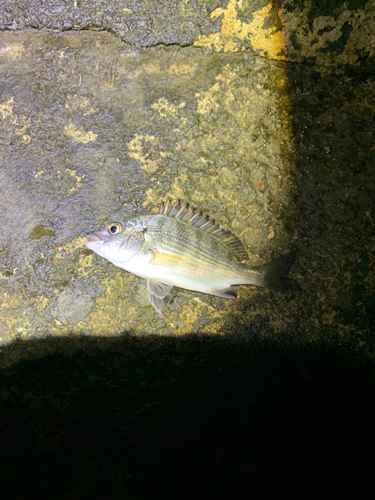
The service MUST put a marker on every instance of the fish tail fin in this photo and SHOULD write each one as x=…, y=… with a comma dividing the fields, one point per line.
x=273, y=274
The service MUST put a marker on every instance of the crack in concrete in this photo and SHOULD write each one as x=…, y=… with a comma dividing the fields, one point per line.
x=98, y=28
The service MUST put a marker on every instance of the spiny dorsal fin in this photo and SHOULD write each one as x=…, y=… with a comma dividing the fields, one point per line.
x=194, y=217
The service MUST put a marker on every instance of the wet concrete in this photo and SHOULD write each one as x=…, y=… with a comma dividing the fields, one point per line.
x=97, y=125
x=262, y=115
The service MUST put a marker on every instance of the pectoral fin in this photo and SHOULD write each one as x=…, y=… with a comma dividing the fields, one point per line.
x=157, y=290
x=135, y=242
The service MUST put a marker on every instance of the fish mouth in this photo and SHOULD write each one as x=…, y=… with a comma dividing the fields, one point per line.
x=93, y=238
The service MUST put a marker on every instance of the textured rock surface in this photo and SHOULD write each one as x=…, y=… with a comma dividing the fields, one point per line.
x=314, y=31
x=140, y=23
x=261, y=114
x=93, y=128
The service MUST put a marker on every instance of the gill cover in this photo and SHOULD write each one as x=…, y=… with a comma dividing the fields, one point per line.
x=134, y=242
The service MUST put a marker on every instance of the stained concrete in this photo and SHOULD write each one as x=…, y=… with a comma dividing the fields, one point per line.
x=234, y=108
x=260, y=114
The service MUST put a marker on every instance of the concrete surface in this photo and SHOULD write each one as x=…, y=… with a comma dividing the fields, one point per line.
x=262, y=115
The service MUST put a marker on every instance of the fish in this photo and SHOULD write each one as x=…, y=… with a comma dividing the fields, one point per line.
x=182, y=247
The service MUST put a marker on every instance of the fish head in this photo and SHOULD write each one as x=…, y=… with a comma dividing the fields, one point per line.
x=118, y=241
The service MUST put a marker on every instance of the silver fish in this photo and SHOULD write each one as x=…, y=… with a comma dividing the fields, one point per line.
x=181, y=247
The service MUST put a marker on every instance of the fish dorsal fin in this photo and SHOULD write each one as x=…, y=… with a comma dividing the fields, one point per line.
x=194, y=217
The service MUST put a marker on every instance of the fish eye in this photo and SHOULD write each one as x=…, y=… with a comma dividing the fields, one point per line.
x=115, y=227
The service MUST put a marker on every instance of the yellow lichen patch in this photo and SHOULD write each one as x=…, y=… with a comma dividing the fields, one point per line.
x=199, y=315
x=147, y=150
x=85, y=262
x=79, y=103
x=16, y=317
x=141, y=70
x=221, y=188
x=296, y=35
x=270, y=42
x=233, y=31
x=86, y=265
x=185, y=9
x=166, y=109
x=12, y=50
x=271, y=233
x=77, y=178
x=12, y=321
x=218, y=188
x=188, y=316
x=207, y=101
x=329, y=316
x=176, y=192
x=244, y=106
x=117, y=304
x=230, y=27
x=220, y=94
x=153, y=197
x=69, y=248
x=78, y=136
x=6, y=108
x=182, y=69
x=314, y=39
x=40, y=302
x=21, y=125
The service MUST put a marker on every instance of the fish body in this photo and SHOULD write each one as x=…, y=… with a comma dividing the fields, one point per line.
x=181, y=247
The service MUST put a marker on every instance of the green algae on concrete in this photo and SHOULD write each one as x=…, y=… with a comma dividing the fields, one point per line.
x=39, y=231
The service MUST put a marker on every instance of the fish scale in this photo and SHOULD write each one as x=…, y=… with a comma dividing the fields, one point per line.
x=181, y=247
x=193, y=238
x=188, y=241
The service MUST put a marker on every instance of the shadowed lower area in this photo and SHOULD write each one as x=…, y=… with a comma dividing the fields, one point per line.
x=194, y=417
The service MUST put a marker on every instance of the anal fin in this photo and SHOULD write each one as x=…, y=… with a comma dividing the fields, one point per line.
x=225, y=293
x=157, y=290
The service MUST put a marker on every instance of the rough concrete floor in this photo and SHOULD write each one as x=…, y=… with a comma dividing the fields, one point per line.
x=262, y=117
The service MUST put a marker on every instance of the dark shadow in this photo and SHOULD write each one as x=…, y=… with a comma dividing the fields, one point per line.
x=333, y=215
x=191, y=418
